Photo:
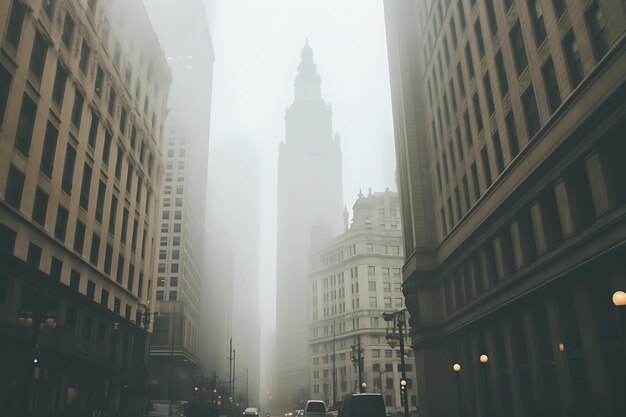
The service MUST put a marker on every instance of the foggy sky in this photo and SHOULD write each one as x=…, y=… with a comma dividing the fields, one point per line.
x=257, y=46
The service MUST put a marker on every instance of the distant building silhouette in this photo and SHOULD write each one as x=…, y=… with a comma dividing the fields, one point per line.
x=309, y=192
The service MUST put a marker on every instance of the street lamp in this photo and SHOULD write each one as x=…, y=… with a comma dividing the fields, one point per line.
x=484, y=360
x=363, y=387
x=459, y=389
x=393, y=339
x=619, y=298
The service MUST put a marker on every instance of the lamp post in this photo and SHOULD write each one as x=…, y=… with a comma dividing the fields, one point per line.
x=37, y=319
x=484, y=360
x=398, y=319
x=457, y=372
x=619, y=300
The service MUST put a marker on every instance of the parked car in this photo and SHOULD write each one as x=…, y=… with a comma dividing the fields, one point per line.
x=315, y=408
x=251, y=412
x=363, y=405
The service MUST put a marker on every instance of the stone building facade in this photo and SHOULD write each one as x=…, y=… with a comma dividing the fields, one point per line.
x=509, y=119
x=354, y=278
x=83, y=100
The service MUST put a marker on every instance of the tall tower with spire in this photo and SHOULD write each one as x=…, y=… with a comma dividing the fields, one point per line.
x=309, y=194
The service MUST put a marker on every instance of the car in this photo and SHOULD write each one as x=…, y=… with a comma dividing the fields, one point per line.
x=315, y=408
x=363, y=405
x=251, y=412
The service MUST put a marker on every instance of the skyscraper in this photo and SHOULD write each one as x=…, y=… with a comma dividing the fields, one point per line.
x=309, y=194
x=509, y=128
x=183, y=31
x=81, y=128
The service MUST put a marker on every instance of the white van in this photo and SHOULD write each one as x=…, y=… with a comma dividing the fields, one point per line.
x=315, y=408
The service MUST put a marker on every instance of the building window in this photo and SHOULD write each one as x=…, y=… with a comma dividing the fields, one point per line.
x=108, y=259
x=124, y=232
x=95, y=249
x=511, y=131
x=459, y=76
x=572, y=56
x=7, y=239
x=531, y=113
x=14, y=187
x=5, y=88
x=56, y=268
x=79, y=237
x=175, y=254
x=551, y=85
x=484, y=157
x=91, y=289
x=176, y=241
x=85, y=187
x=68, y=169
x=497, y=147
x=176, y=227
x=14, y=27
x=371, y=271
x=502, y=78
x=24, y=134
x=459, y=5
x=597, y=30
x=38, y=56
x=93, y=130
x=40, y=207
x=119, y=276
x=60, y=228
x=178, y=215
x=113, y=215
x=477, y=112
x=74, y=279
x=106, y=149
x=112, y=97
x=117, y=305
x=469, y=61
x=68, y=30
x=488, y=93
x=559, y=7
x=476, y=184
x=173, y=295
x=77, y=109
x=479, y=38
x=85, y=51
x=174, y=268
x=104, y=298
x=536, y=17
x=100, y=201
x=118, y=163
x=468, y=129
x=99, y=81
x=518, y=48
x=33, y=256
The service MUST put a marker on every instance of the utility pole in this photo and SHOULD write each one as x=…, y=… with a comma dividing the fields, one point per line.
x=232, y=397
x=230, y=371
x=169, y=384
x=334, y=369
x=404, y=387
x=360, y=365
x=358, y=361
